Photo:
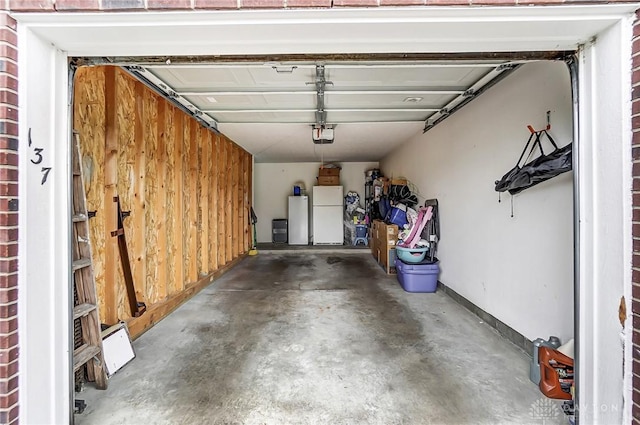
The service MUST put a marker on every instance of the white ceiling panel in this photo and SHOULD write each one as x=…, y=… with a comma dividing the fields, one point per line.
x=249, y=76
x=265, y=117
x=428, y=76
x=239, y=101
x=270, y=108
x=292, y=142
x=401, y=100
x=354, y=116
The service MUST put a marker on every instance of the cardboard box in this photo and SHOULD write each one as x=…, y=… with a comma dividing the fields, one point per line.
x=398, y=182
x=326, y=172
x=385, y=233
x=373, y=240
x=387, y=259
x=328, y=180
x=393, y=182
x=383, y=241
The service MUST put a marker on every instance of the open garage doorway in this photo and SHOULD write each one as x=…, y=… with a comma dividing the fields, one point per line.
x=150, y=134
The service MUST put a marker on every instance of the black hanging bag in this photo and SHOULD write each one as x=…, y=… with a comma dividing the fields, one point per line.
x=539, y=169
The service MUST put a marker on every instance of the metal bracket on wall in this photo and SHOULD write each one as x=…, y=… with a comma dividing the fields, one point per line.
x=137, y=308
x=483, y=84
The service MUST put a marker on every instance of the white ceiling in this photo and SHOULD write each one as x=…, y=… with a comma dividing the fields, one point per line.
x=270, y=108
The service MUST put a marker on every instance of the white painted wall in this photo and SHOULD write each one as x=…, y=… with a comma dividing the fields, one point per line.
x=273, y=183
x=518, y=269
x=44, y=277
x=604, y=174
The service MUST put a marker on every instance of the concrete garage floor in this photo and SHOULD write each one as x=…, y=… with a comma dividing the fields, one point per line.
x=312, y=338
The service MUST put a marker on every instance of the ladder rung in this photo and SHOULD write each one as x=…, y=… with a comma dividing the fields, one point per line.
x=77, y=174
x=81, y=263
x=83, y=354
x=82, y=310
x=79, y=217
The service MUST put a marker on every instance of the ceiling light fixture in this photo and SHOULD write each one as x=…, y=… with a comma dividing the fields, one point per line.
x=322, y=135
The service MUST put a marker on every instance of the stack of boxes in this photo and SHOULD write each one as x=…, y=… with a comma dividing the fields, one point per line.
x=329, y=177
x=383, y=239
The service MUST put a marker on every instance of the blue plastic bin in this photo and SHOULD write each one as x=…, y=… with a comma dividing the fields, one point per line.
x=361, y=230
x=398, y=217
x=421, y=277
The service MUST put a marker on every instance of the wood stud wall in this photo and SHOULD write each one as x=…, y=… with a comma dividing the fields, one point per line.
x=188, y=190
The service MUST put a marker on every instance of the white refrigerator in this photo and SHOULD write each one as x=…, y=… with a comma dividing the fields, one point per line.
x=298, y=220
x=327, y=215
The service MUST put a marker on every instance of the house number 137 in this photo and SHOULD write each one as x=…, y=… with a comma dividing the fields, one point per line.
x=37, y=160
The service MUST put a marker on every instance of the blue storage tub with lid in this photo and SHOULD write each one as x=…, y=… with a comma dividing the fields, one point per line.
x=419, y=277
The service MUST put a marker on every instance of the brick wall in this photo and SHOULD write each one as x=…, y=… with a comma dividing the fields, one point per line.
x=635, y=122
x=8, y=220
x=133, y=5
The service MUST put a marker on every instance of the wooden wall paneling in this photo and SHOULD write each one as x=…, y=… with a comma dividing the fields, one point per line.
x=151, y=193
x=240, y=233
x=229, y=201
x=238, y=195
x=222, y=205
x=250, y=193
x=136, y=240
x=185, y=186
x=89, y=122
x=247, y=223
x=169, y=187
x=213, y=203
x=189, y=275
x=234, y=200
x=247, y=190
x=193, y=202
x=161, y=208
x=125, y=110
x=178, y=276
x=241, y=212
x=203, y=200
x=198, y=199
x=111, y=253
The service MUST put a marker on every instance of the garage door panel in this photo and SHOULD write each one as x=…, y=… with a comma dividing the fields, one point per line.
x=234, y=77
x=265, y=116
x=405, y=99
x=253, y=101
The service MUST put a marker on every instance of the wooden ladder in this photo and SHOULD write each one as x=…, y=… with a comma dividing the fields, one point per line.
x=85, y=310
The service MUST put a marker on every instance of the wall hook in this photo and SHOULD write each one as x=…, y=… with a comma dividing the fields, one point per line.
x=547, y=128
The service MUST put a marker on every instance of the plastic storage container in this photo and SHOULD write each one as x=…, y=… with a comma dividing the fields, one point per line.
x=411, y=255
x=421, y=277
x=556, y=374
x=361, y=230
